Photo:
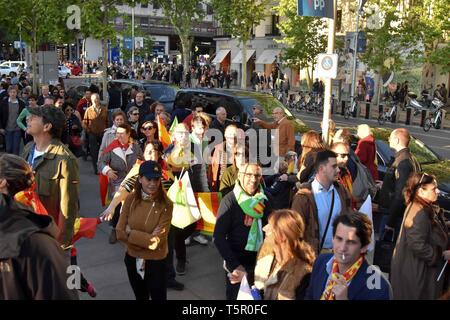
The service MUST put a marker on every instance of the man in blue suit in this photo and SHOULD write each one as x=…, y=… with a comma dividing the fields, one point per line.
x=346, y=274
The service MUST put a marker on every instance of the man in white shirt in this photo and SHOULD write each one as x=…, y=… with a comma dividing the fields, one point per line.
x=321, y=201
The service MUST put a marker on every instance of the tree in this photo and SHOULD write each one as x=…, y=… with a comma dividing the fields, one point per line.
x=31, y=16
x=400, y=32
x=95, y=22
x=238, y=18
x=183, y=15
x=301, y=35
x=143, y=52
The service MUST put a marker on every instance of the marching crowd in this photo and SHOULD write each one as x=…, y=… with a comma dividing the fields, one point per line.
x=298, y=233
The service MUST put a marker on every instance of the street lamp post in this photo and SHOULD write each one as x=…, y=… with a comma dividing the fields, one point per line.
x=355, y=52
x=20, y=40
x=132, y=38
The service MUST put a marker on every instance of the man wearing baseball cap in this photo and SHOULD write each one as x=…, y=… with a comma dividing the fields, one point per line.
x=55, y=167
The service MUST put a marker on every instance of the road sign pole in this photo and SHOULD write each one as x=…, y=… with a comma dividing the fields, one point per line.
x=355, y=53
x=328, y=81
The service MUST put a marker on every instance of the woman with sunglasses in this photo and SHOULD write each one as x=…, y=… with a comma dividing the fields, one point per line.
x=149, y=130
x=422, y=246
x=133, y=120
x=72, y=134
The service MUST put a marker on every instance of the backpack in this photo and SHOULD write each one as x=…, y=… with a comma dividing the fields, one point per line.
x=363, y=185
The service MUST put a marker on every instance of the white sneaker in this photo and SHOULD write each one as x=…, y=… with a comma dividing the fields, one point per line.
x=187, y=242
x=201, y=239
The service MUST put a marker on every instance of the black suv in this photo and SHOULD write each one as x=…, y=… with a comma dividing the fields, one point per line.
x=161, y=91
x=238, y=104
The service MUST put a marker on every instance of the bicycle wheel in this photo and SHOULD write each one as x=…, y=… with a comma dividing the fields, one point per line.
x=347, y=114
x=427, y=125
x=381, y=119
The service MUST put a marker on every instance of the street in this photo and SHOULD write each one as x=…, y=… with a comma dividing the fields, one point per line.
x=437, y=140
x=103, y=265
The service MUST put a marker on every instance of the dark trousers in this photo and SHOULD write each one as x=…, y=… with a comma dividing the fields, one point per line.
x=170, y=269
x=179, y=236
x=95, y=141
x=153, y=285
x=13, y=141
x=232, y=290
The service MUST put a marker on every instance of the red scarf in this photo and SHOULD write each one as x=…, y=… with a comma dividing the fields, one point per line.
x=115, y=144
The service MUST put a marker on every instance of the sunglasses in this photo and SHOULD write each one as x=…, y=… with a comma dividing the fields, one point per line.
x=147, y=128
x=135, y=114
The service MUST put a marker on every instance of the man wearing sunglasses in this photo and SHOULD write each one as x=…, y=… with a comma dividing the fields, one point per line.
x=345, y=178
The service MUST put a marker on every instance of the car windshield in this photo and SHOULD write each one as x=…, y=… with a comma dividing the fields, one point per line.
x=267, y=102
x=161, y=93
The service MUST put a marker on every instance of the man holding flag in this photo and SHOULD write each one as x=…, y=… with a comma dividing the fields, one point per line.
x=238, y=232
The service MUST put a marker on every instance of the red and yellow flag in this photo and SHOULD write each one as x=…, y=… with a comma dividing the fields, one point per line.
x=164, y=136
x=208, y=204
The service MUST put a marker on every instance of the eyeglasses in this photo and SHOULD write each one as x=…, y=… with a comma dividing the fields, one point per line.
x=249, y=175
x=343, y=155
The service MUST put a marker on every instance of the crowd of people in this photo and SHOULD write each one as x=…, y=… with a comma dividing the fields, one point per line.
x=298, y=233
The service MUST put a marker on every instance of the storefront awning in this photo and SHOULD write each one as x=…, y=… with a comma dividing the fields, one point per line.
x=268, y=56
x=220, y=56
x=238, y=58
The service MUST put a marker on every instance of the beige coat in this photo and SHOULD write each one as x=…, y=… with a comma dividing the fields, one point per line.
x=417, y=259
x=136, y=227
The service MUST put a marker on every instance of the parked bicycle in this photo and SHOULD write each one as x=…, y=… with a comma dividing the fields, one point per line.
x=389, y=114
x=350, y=109
x=433, y=121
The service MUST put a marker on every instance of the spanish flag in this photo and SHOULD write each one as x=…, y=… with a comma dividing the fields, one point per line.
x=83, y=227
x=164, y=136
x=208, y=204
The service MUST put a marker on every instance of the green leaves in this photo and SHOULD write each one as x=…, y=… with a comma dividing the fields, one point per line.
x=411, y=32
x=303, y=36
x=238, y=17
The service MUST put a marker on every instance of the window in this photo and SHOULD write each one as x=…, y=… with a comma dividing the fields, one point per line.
x=144, y=21
x=338, y=20
x=156, y=6
x=275, y=21
x=144, y=5
x=209, y=9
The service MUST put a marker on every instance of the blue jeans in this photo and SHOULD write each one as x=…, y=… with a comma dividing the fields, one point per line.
x=13, y=139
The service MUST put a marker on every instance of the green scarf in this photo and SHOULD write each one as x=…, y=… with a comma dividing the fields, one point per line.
x=252, y=206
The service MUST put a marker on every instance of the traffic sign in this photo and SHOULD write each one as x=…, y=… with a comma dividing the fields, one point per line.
x=327, y=65
x=315, y=8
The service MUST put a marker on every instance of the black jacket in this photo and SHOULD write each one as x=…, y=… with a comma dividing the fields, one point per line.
x=32, y=264
x=4, y=111
x=280, y=190
x=230, y=233
x=402, y=165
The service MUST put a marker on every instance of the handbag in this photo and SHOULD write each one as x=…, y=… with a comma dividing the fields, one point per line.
x=384, y=249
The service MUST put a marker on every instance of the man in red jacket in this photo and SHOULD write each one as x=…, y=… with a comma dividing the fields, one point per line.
x=366, y=149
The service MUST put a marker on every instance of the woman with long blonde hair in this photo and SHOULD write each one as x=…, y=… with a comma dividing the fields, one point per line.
x=285, y=257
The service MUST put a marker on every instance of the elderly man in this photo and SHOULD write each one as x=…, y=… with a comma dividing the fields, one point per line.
x=238, y=232
x=221, y=122
x=286, y=133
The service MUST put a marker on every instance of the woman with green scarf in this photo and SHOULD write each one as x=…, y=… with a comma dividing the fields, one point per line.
x=238, y=232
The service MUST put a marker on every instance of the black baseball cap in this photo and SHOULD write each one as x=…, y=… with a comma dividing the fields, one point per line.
x=150, y=170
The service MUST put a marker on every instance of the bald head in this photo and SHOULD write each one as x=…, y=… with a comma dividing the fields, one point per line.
x=399, y=139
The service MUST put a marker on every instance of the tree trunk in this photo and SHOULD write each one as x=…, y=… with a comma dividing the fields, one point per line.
x=186, y=44
x=308, y=79
x=83, y=60
x=105, y=71
x=34, y=59
x=244, y=65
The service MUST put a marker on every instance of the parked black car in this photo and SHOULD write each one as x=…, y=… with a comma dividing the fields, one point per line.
x=430, y=161
x=161, y=91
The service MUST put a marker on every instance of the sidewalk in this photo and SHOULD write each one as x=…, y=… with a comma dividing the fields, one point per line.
x=102, y=263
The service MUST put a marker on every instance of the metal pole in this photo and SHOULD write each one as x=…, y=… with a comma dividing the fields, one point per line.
x=132, y=38
x=328, y=81
x=20, y=39
x=355, y=49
